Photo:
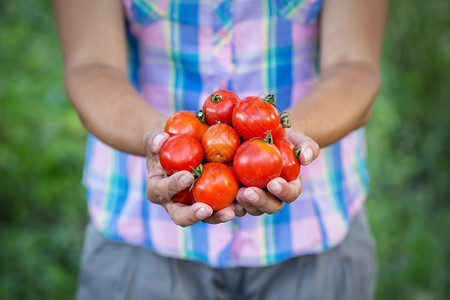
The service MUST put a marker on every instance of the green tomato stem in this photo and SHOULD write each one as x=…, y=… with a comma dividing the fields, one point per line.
x=268, y=139
x=285, y=120
x=201, y=116
x=297, y=151
x=197, y=172
x=215, y=98
x=270, y=98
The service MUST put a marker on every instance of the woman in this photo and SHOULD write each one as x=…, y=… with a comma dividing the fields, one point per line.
x=129, y=65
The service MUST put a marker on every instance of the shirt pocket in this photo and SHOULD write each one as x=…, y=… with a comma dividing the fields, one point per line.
x=146, y=12
x=306, y=12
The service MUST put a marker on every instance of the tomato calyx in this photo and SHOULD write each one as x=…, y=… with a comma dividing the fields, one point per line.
x=268, y=139
x=201, y=116
x=270, y=99
x=215, y=98
x=285, y=120
x=197, y=172
x=297, y=151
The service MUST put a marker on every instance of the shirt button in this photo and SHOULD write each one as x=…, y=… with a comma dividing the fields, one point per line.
x=223, y=84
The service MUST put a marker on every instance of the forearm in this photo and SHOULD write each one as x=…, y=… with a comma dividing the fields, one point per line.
x=339, y=103
x=110, y=108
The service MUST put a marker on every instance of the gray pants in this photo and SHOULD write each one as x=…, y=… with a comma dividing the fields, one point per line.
x=118, y=271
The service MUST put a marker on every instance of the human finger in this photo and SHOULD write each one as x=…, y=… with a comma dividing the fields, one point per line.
x=221, y=216
x=309, y=148
x=285, y=191
x=161, y=189
x=256, y=201
x=239, y=210
x=153, y=141
x=187, y=215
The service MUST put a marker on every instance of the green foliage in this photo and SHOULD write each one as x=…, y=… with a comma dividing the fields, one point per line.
x=42, y=202
x=409, y=147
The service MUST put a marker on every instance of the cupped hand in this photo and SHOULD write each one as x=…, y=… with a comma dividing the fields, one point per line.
x=160, y=189
x=256, y=201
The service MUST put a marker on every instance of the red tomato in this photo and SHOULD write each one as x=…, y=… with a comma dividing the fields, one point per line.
x=203, y=129
x=279, y=132
x=217, y=186
x=184, y=197
x=185, y=122
x=257, y=162
x=253, y=117
x=290, y=155
x=219, y=107
x=180, y=153
x=220, y=143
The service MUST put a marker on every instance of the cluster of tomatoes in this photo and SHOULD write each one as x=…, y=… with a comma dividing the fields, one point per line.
x=231, y=141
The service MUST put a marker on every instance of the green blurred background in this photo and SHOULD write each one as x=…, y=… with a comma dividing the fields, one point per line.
x=42, y=202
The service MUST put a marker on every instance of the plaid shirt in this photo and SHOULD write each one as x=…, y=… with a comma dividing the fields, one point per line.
x=180, y=52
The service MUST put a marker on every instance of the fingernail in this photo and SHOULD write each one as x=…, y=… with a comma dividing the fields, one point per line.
x=251, y=196
x=156, y=140
x=224, y=218
x=185, y=179
x=202, y=213
x=307, y=154
x=275, y=186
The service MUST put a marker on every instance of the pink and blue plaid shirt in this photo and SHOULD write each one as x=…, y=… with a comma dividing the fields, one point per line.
x=180, y=52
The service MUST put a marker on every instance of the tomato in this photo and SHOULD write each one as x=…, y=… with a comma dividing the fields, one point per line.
x=184, y=197
x=180, y=153
x=217, y=185
x=218, y=107
x=257, y=162
x=285, y=122
x=253, y=117
x=202, y=130
x=291, y=161
x=220, y=143
x=279, y=132
x=186, y=122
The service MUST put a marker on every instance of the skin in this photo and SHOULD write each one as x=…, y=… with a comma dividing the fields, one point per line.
x=92, y=35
